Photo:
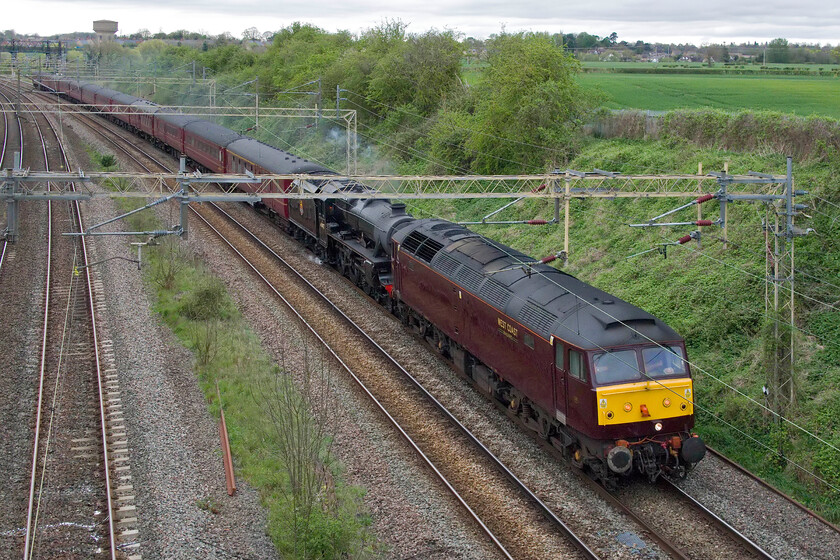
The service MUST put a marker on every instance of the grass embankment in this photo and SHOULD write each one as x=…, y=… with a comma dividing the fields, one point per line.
x=277, y=436
x=713, y=297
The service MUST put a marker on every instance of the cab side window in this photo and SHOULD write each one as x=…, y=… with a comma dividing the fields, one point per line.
x=559, y=350
x=576, y=366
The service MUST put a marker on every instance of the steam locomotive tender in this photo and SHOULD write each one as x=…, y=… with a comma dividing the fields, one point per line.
x=605, y=382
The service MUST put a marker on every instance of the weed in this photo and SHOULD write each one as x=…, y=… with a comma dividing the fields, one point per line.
x=209, y=504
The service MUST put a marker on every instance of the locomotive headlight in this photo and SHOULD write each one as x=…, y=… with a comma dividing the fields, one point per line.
x=610, y=415
x=658, y=426
x=666, y=402
x=628, y=407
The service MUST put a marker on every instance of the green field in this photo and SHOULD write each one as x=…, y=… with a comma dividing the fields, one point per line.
x=703, y=67
x=660, y=92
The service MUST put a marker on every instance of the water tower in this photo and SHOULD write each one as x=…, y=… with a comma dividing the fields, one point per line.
x=105, y=30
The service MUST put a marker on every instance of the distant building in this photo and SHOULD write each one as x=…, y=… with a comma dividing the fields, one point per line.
x=105, y=30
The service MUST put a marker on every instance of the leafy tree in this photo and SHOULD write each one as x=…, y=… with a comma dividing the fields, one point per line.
x=586, y=41
x=527, y=106
x=229, y=58
x=778, y=51
x=418, y=71
x=151, y=49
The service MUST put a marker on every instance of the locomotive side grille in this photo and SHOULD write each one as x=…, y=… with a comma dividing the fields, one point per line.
x=470, y=279
x=495, y=293
x=413, y=241
x=446, y=264
x=429, y=249
x=538, y=317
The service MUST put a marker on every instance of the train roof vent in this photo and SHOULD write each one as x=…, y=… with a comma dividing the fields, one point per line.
x=429, y=249
x=446, y=264
x=470, y=279
x=397, y=209
x=495, y=294
x=457, y=231
x=630, y=323
x=440, y=226
x=537, y=317
x=413, y=241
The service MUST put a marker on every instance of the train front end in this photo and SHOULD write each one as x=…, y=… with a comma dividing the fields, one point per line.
x=645, y=410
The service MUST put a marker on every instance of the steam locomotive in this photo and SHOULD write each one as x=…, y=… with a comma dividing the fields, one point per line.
x=605, y=382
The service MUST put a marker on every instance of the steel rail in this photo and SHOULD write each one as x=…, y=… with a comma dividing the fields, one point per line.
x=29, y=536
x=100, y=382
x=772, y=488
x=3, y=157
x=5, y=133
x=364, y=388
x=545, y=509
x=718, y=521
x=512, y=477
x=28, y=550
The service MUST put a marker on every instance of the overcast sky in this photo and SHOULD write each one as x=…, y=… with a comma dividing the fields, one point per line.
x=711, y=21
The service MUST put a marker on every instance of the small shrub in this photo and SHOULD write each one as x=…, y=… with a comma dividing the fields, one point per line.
x=205, y=336
x=208, y=300
x=169, y=262
x=107, y=161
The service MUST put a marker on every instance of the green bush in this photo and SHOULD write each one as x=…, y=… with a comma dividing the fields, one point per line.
x=206, y=301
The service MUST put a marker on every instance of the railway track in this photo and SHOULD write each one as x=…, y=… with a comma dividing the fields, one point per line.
x=77, y=449
x=6, y=161
x=749, y=549
x=758, y=480
x=490, y=527
x=456, y=456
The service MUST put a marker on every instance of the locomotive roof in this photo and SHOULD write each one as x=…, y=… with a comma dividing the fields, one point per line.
x=273, y=159
x=544, y=299
x=212, y=132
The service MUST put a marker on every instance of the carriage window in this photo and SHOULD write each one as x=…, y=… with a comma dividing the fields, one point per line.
x=612, y=367
x=576, y=367
x=529, y=340
x=660, y=362
x=559, y=349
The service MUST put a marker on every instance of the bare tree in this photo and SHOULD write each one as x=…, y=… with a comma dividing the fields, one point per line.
x=251, y=34
x=296, y=397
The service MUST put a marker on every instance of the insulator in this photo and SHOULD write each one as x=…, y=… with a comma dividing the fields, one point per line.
x=536, y=222
x=538, y=189
x=548, y=259
x=704, y=198
x=703, y=222
x=683, y=240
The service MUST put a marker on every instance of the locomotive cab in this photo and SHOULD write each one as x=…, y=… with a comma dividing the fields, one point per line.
x=644, y=409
